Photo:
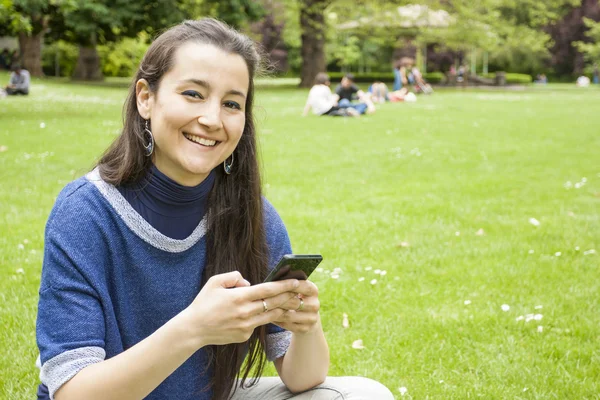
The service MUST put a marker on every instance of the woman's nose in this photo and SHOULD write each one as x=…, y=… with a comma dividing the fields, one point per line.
x=211, y=116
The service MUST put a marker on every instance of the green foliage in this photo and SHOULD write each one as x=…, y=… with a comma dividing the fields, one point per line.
x=512, y=78
x=590, y=50
x=65, y=52
x=434, y=77
x=431, y=77
x=363, y=77
x=27, y=16
x=348, y=51
x=518, y=78
x=236, y=13
x=122, y=58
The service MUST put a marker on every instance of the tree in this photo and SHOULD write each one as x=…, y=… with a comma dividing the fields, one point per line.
x=28, y=20
x=312, y=23
x=591, y=49
x=567, y=58
x=89, y=24
x=233, y=12
x=99, y=22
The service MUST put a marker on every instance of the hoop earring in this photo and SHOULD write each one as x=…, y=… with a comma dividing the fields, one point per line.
x=149, y=148
x=226, y=166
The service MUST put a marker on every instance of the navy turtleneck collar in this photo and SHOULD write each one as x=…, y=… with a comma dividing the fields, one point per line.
x=172, y=209
x=166, y=190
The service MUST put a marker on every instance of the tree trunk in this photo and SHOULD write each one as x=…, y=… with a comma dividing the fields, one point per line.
x=88, y=65
x=31, y=52
x=312, y=24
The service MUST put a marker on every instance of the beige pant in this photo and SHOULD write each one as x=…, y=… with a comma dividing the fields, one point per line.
x=334, y=388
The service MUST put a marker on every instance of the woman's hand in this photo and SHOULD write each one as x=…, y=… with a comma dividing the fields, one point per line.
x=228, y=309
x=302, y=311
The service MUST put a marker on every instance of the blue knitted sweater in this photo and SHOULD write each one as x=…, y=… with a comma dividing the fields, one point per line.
x=109, y=280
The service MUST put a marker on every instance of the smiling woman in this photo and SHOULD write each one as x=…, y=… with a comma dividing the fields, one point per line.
x=197, y=115
x=154, y=261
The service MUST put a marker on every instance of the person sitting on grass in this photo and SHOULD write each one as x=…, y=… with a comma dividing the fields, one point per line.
x=379, y=92
x=346, y=91
x=5, y=59
x=19, y=81
x=323, y=102
x=152, y=283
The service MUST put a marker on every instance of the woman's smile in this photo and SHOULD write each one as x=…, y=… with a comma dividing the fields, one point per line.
x=199, y=140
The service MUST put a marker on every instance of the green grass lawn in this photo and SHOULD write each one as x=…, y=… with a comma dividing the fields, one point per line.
x=456, y=176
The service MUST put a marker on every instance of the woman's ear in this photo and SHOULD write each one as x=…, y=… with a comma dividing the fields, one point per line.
x=144, y=98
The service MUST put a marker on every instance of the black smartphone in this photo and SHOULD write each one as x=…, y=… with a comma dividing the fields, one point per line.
x=294, y=266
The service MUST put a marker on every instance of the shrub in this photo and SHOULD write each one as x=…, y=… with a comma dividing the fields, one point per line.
x=122, y=58
x=512, y=78
x=65, y=53
x=435, y=77
x=363, y=78
x=431, y=77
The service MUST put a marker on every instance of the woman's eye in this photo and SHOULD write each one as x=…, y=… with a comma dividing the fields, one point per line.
x=233, y=104
x=192, y=93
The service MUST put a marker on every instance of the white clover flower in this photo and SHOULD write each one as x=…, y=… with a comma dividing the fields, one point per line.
x=576, y=248
x=558, y=254
x=368, y=268
x=345, y=323
x=534, y=222
x=374, y=282
x=20, y=246
x=520, y=318
x=402, y=390
x=457, y=233
x=538, y=307
x=319, y=269
x=362, y=278
x=531, y=251
x=467, y=302
x=20, y=271
x=528, y=317
x=377, y=271
x=42, y=125
x=590, y=251
x=383, y=273
x=505, y=307
x=358, y=344
x=335, y=276
x=540, y=329
x=538, y=317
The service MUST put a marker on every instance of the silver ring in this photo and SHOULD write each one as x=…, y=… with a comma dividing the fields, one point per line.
x=265, y=308
x=301, y=306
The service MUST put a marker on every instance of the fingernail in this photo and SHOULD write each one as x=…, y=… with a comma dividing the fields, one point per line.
x=246, y=282
x=296, y=284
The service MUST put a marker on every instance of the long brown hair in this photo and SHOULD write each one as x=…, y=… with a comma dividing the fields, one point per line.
x=235, y=237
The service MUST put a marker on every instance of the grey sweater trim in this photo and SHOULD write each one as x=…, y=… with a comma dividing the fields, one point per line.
x=138, y=224
x=58, y=370
x=277, y=344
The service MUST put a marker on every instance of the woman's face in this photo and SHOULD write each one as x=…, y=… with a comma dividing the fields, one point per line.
x=197, y=116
